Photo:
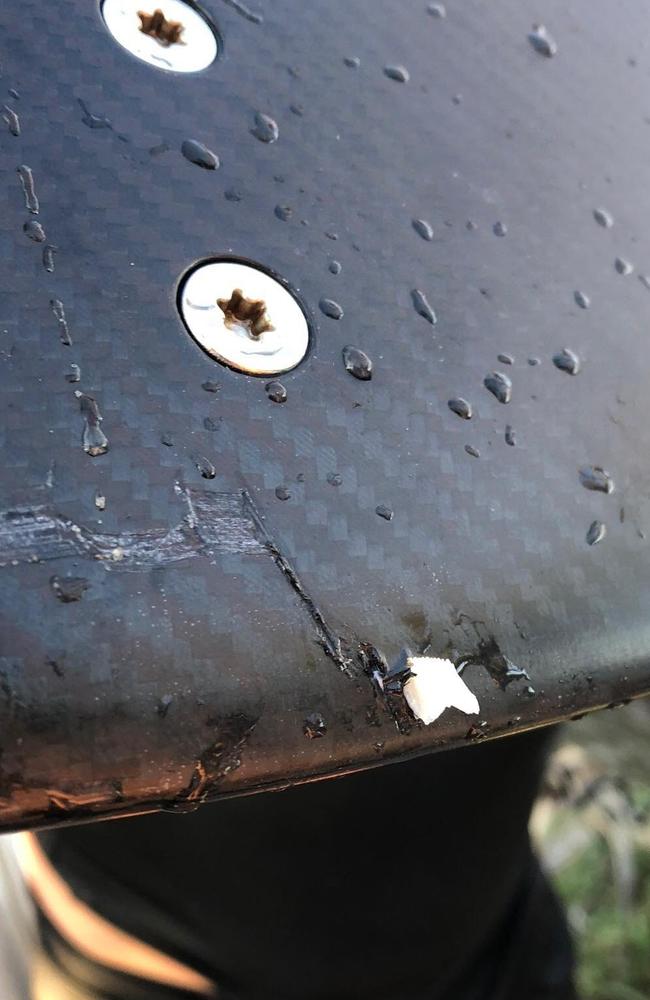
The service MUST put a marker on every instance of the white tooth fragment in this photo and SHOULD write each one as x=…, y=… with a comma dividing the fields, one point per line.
x=435, y=686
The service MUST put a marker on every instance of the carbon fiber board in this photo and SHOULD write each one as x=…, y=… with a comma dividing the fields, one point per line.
x=195, y=611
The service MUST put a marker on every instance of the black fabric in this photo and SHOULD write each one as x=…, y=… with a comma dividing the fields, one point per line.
x=411, y=881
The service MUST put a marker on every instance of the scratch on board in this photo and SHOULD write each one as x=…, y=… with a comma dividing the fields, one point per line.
x=214, y=522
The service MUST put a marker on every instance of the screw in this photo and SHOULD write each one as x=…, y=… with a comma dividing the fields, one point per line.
x=189, y=40
x=244, y=317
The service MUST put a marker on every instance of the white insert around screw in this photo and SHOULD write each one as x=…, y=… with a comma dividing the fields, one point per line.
x=234, y=342
x=195, y=48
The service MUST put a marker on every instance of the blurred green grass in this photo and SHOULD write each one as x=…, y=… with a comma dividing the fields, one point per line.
x=592, y=829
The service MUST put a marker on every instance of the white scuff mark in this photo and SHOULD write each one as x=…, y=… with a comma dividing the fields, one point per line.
x=434, y=686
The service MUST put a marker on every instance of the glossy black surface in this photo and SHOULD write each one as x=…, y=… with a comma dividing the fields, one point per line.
x=225, y=579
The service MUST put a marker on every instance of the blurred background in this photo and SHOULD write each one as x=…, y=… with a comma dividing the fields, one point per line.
x=591, y=827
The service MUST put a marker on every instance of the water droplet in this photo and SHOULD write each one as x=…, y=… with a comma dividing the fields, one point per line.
x=422, y=307
x=423, y=229
x=276, y=392
x=34, y=231
x=499, y=385
x=69, y=589
x=266, y=128
x=297, y=109
x=352, y=62
x=94, y=440
x=331, y=308
x=645, y=280
x=499, y=229
x=332, y=236
x=210, y=424
x=357, y=363
x=27, y=181
x=437, y=10
x=59, y=312
x=11, y=120
x=197, y=153
x=232, y=194
x=167, y=440
x=384, y=512
x=471, y=450
x=596, y=532
x=399, y=73
x=13, y=93
x=334, y=478
x=594, y=477
x=74, y=375
x=510, y=436
x=533, y=362
x=210, y=386
x=471, y=226
x=314, y=726
x=283, y=212
x=603, y=218
x=582, y=300
x=334, y=267
x=461, y=407
x=282, y=493
x=542, y=41
x=205, y=466
x=48, y=257
x=93, y=121
x=100, y=501
x=506, y=359
x=623, y=266
x=567, y=361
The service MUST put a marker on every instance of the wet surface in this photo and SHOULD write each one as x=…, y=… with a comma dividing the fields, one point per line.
x=483, y=216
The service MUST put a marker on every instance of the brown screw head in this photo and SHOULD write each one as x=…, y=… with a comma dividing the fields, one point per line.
x=251, y=313
x=157, y=26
